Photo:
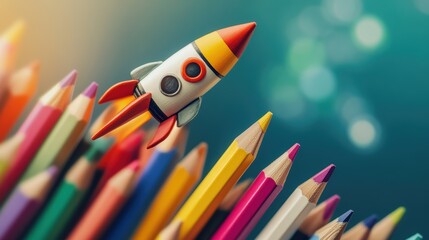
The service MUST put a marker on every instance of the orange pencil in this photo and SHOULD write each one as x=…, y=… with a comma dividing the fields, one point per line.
x=20, y=89
x=8, y=44
x=107, y=204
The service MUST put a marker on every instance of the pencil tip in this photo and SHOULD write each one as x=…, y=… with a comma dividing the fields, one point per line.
x=264, y=121
x=91, y=90
x=325, y=174
x=14, y=33
x=370, y=221
x=346, y=216
x=293, y=151
x=132, y=142
x=331, y=205
x=397, y=215
x=69, y=79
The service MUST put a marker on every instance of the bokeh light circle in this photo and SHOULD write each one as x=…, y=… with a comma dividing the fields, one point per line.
x=369, y=32
x=364, y=132
x=305, y=53
x=317, y=83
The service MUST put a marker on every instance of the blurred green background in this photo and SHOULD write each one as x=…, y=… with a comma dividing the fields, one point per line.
x=348, y=79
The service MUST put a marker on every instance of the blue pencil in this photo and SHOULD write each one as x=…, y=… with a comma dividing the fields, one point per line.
x=361, y=230
x=334, y=229
x=153, y=176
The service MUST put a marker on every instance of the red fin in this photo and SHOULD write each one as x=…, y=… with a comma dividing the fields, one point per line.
x=131, y=111
x=119, y=90
x=162, y=131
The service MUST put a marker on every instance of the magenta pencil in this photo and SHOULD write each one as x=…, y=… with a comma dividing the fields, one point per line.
x=257, y=198
x=23, y=204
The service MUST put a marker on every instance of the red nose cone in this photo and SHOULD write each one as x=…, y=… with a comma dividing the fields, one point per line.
x=237, y=37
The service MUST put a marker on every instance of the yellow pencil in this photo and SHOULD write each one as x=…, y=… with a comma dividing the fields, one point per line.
x=222, y=177
x=384, y=228
x=20, y=89
x=172, y=194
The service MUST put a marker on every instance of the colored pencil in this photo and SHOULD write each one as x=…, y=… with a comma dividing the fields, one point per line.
x=21, y=88
x=68, y=196
x=8, y=46
x=66, y=134
x=124, y=152
x=334, y=229
x=317, y=218
x=361, y=230
x=151, y=179
x=385, y=227
x=206, y=198
x=224, y=209
x=296, y=208
x=44, y=115
x=257, y=199
x=24, y=203
x=416, y=236
x=172, y=194
x=171, y=232
x=125, y=130
x=8, y=150
x=107, y=204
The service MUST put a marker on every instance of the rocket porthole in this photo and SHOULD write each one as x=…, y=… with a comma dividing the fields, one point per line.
x=170, y=86
x=193, y=70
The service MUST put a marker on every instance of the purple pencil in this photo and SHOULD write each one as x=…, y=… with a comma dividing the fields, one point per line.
x=257, y=198
x=23, y=204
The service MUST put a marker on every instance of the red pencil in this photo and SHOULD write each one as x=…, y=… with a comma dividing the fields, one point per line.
x=44, y=115
x=257, y=198
x=120, y=156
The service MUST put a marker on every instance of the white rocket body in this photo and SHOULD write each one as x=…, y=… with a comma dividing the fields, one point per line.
x=187, y=92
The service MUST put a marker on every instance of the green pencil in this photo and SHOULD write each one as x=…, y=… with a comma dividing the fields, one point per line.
x=66, y=134
x=69, y=195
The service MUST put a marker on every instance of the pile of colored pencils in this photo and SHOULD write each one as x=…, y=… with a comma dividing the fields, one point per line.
x=57, y=184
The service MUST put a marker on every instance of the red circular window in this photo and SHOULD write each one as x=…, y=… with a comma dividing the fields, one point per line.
x=193, y=70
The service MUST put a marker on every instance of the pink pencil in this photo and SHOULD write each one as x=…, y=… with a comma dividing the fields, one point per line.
x=257, y=198
x=36, y=128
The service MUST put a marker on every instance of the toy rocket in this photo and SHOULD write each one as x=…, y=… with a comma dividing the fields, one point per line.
x=171, y=90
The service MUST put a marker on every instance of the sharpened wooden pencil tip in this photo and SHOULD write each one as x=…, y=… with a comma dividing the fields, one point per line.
x=325, y=174
x=370, y=221
x=195, y=159
x=265, y=120
x=346, y=216
x=91, y=90
x=14, y=33
x=293, y=151
x=397, y=215
x=331, y=204
x=69, y=79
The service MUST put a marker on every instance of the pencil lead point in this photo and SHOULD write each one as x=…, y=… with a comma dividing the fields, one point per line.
x=69, y=79
x=264, y=121
x=331, y=204
x=397, y=215
x=325, y=174
x=293, y=151
x=346, y=216
x=91, y=90
x=370, y=221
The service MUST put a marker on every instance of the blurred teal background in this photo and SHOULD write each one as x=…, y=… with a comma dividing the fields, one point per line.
x=348, y=79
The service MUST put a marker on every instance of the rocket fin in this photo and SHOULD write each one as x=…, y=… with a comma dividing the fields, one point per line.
x=119, y=90
x=143, y=70
x=189, y=112
x=131, y=111
x=162, y=131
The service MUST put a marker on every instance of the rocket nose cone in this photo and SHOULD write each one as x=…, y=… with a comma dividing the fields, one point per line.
x=237, y=37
